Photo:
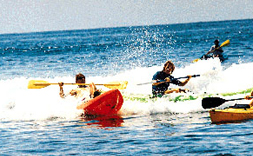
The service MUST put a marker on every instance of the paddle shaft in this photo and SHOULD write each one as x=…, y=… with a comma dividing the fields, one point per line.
x=38, y=84
x=237, y=99
x=162, y=81
x=72, y=84
x=184, y=77
x=234, y=99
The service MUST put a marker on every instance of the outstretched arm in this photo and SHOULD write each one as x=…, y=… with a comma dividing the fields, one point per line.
x=62, y=95
x=167, y=79
x=211, y=50
x=186, y=81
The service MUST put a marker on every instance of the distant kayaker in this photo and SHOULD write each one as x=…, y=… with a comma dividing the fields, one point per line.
x=83, y=91
x=248, y=97
x=164, y=78
x=216, y=50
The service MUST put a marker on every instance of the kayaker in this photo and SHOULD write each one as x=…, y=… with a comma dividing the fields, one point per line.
x=164, y=78
x=83, y=91
x=248, y=97
x=216, y=50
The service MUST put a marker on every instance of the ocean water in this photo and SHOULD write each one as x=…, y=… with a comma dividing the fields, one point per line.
x=39, y=122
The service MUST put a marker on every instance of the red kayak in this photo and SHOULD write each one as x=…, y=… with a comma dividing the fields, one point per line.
x=109, y=103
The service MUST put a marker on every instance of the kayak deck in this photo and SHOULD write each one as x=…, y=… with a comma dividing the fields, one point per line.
x=231, y=115
x=206, y=57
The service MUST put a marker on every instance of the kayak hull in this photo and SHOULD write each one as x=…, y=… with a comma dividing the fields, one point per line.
x=109, y=103
x=231, y=115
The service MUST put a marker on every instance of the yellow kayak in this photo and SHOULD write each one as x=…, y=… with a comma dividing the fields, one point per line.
x=232, y=114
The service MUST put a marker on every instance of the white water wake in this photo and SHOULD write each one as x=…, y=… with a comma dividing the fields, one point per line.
x=19, y=103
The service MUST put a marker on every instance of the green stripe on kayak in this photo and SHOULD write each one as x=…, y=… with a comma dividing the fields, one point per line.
x=151, y=99
x=148, y=98
x=236, y=93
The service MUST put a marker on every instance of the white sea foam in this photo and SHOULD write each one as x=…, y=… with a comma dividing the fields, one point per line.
x=19, y=103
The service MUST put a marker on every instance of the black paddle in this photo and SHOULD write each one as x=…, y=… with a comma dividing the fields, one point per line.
x=184, y=77
x=156, y=83
x=211, y=102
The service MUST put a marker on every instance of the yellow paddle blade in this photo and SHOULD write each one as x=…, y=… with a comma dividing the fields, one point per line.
x=37, y=84
x=117, y=85
x=196, y=60
x=227, y=42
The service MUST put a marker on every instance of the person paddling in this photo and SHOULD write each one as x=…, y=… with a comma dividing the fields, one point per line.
x=83, y=91
x=164, y=78
x=249, y=97
x=216, y=50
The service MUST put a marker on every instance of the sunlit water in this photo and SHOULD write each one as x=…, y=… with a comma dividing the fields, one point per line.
x=39, y=122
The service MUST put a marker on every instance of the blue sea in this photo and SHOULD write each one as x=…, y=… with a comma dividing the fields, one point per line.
x=39, y=122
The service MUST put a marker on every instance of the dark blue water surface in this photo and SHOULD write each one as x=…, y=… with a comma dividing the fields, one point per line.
x=110, y=50
x=106, y=52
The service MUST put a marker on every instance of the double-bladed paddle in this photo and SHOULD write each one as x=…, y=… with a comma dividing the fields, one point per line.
x=154, y=82
x=211, y=102
x=38, y=84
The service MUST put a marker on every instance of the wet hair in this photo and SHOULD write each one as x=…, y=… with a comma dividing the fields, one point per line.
x=216, y=41
x=80, y=77
x=167, y=64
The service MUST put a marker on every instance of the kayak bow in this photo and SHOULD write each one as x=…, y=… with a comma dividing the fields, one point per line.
x=109, y=103
x=229, y=115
